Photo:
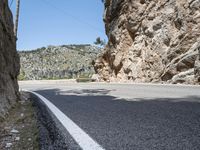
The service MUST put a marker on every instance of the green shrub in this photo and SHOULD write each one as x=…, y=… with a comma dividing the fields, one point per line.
x=21, y=76
x=83, y=80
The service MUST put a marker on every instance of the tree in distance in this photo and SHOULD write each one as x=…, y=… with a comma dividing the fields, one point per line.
x=100, y=42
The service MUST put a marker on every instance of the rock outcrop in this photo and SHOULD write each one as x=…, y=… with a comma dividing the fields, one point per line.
x=197, y=67
x=151, y=41
x=58, y=62
x=9, y=61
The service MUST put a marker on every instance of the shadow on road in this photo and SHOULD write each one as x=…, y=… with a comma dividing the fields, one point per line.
x=164, y=123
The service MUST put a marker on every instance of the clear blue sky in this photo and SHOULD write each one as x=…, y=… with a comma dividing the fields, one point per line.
x=57, y=22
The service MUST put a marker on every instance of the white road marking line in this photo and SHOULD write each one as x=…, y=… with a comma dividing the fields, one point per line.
x=82, y=138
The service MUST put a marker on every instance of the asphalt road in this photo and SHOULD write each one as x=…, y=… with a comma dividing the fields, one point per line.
x=130, y=116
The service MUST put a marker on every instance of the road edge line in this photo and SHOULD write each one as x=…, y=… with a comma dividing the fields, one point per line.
x=78, y=134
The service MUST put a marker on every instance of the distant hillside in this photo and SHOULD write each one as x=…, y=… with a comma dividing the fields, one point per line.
x=58, y=62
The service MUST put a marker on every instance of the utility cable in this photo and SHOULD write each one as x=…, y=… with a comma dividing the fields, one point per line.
x=11, y=3
x=72, y=16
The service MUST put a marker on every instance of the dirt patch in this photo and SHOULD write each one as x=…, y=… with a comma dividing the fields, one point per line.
x=19, y=130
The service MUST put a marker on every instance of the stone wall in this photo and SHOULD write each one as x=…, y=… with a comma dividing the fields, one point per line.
x=9, y=61
x=151, y=41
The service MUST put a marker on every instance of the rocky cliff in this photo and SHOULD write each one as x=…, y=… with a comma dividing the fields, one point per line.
x=151, y=41
x=9, y=61
x=58, y=62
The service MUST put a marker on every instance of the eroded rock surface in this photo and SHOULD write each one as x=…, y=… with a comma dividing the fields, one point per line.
x=151, y=41
x=9, y=61
x=197, y=67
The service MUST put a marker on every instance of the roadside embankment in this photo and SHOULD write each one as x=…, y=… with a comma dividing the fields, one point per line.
x=19, y=130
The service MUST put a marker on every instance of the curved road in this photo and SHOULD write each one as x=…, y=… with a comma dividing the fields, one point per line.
x=129, y=116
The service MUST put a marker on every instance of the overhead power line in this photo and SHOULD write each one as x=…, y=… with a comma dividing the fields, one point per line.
x=72, y=16
x=11, y=3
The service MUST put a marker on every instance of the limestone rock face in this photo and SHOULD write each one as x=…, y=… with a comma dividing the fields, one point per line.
x=9, y=61
x=197, y=67
x=151, y=41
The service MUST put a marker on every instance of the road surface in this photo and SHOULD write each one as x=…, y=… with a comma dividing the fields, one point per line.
x=129, y=116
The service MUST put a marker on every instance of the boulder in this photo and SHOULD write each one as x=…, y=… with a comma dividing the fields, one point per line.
x=95, y=78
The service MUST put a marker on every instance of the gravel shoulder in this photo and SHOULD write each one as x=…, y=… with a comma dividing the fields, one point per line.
x=19, y=129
